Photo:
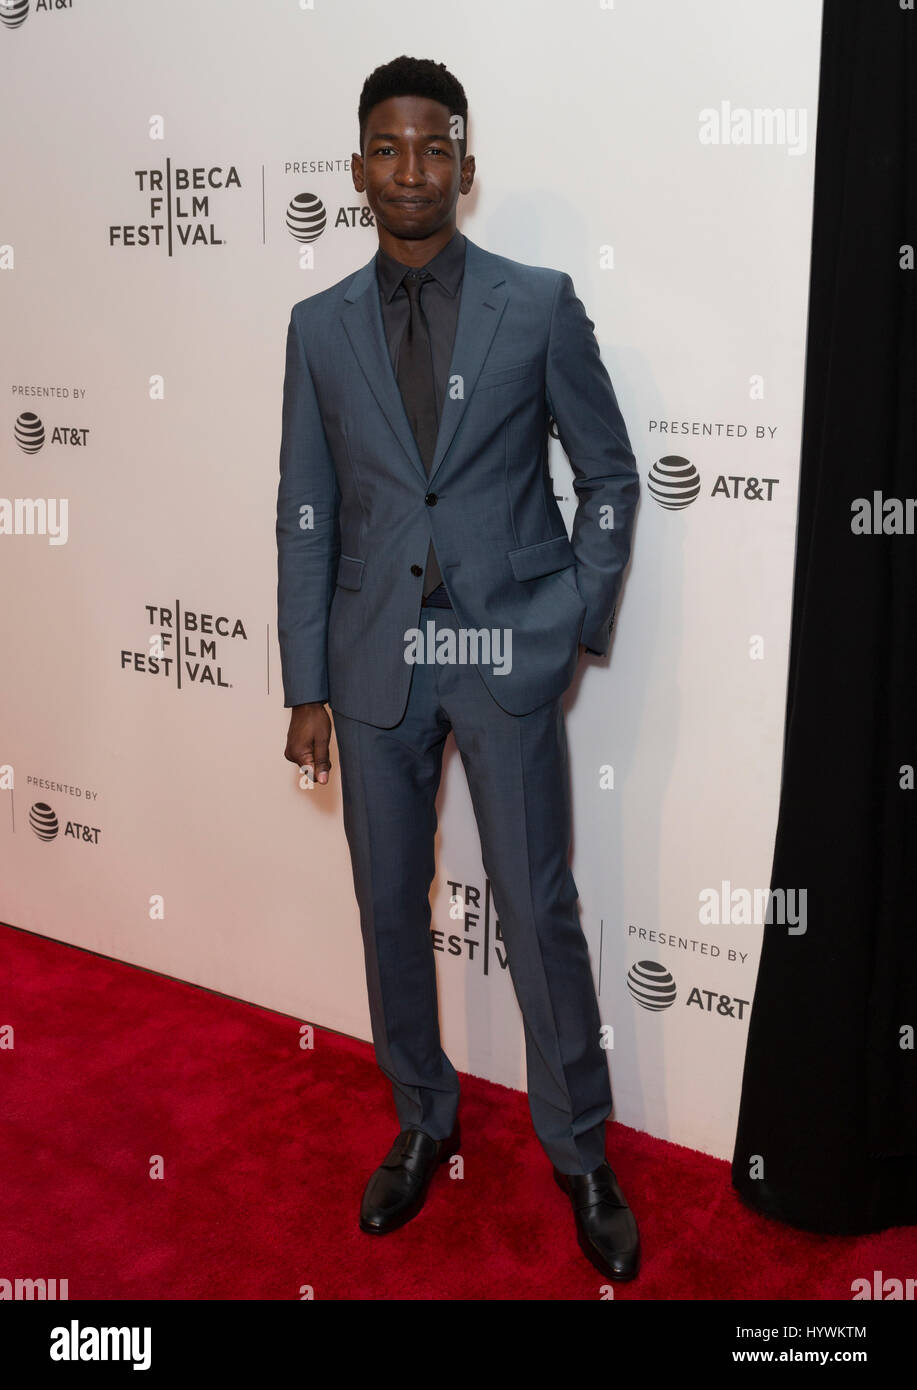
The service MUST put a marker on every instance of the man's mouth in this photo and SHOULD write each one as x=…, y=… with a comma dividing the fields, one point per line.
x=411, y=202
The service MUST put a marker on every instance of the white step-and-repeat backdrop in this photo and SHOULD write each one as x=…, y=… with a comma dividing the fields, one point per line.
x=157, y=158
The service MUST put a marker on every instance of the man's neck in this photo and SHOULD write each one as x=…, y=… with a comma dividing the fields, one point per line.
x=414, y=251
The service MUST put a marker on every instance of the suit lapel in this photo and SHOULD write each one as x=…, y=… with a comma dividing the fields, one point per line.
x=483, y=300
x=480, y=310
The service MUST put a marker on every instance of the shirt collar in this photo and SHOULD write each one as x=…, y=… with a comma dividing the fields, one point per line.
x=447, y=267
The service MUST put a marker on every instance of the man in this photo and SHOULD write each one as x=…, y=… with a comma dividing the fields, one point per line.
x=416, y=523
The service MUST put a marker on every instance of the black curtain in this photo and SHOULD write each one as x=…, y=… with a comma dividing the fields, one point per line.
x=827, y=1129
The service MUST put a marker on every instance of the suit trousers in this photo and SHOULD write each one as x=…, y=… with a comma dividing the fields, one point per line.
x=517, y=772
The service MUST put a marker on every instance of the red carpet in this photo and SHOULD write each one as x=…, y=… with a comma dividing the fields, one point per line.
x=266, y=1149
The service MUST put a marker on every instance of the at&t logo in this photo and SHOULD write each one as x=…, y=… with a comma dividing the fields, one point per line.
x=306, y=217
x=44, y=822
x=29, y=431
x=13, y=13
x=652, y=986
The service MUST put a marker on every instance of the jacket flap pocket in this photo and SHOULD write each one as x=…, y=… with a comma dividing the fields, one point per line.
x=498, y=375
x=543, y=558
x=350, y=572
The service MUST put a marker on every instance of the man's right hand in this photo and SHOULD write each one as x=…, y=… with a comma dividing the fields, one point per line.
x=308, y=740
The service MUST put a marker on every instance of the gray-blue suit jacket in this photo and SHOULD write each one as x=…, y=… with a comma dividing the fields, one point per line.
x=356, y=509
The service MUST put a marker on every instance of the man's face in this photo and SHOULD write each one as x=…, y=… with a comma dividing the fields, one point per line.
x=410, y=169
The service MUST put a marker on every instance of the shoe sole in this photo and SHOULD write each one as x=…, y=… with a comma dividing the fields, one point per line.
x=397, y=1222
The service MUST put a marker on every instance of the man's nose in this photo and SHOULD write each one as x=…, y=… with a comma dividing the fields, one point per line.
x=410, y=169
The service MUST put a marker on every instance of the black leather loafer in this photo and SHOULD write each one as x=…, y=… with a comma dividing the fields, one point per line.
x=398, y=1188
x=605, y=1225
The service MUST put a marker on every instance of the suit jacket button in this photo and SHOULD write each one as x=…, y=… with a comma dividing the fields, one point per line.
x=415, y=569
x=430, y=499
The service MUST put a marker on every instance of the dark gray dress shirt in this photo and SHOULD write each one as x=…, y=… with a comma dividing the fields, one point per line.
x=440, y=299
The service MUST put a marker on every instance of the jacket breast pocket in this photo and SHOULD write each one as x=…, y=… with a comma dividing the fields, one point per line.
x=350, y=572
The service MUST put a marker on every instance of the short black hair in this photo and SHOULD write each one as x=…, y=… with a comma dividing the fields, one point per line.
x=414, y=77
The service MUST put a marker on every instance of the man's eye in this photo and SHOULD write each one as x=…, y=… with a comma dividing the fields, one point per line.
x=433, y=149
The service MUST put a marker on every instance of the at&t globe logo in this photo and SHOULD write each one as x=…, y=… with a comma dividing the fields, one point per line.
x=13, y=13
x=28, y=431
x=306, y=217
x=651, y=985
x=43, y=821
x=674, y=482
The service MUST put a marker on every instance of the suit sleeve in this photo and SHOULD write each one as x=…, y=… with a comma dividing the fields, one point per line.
x=594, y=437
x=308, y=536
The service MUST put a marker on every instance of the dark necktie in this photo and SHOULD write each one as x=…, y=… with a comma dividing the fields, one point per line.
x=418, y=391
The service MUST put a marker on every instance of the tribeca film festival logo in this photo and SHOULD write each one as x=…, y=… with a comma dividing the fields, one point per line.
x=13, y=13
x=653, y=987
x=177, y=202
x=463, y=646
x=184, y=646
x=477, y=937
x=758, y=125
x=674, y=483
